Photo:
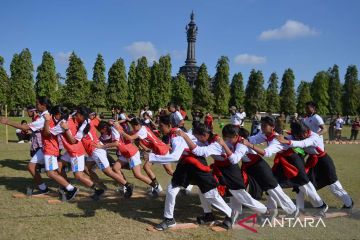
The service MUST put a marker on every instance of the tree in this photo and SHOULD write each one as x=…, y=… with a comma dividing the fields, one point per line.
x=351, y=97
x=46, y=79
x=131, y=86
x=319, y=92
x=160, y=84
x=4, y=84
x=202, y=96
x=221, y=88
x=287, y=92
x=21, y=80
x=182, y=92
x=76, y=89
x=303, y=96
x=272, y=95
x=117, y=90
x=237, y=93
x=334, y=90
x=98, y=85
x=142, y=83
x=255, y=93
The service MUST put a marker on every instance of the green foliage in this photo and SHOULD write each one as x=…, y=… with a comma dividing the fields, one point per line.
x=46, y=79
x=255, y=93
x=182, y=92
x=237, y=92
x=117, y=90
x=202, y=96
x=21, y=80
x=77, y=88
x=272, y=94
x=131, y=86
x=287, y=92
x=334, y=90
x=98, y=84
x=221, y=88
x=351, y=94
x=4, y=83
x=142, y=84
x=319, y=92
x=303, y=96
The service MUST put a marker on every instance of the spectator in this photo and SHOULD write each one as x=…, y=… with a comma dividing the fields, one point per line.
x=23, y=136
x=256, y=126
x=208, y=121
x=338, y=127
x=197, y=116
x=176, y=119
x=280, y=124
x=355, y=127
x=237, y=118
x=242, y=116
x=146, y=109
x=332, y=128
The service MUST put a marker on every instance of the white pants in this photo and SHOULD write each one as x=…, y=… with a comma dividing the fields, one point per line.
x=244, y=198
x=277, y=196
x=100, y=157
x=308, y=190
x=77, y=162
x=38, y=158
x=336, y=188
x=208, y=198
x=133, y=161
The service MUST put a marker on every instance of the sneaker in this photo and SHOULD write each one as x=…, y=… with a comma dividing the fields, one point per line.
x=234, y=216
x=62, y=193
x=295, y=214
x=97, y=194
x=129, y=190
x=227, y=223
x=70, y=195
x=322, y=210
x=120, y=190
x=207, y=218
x=29, y=191
x=156, y=191
x=22, y=141
x=348, y=209
x=165, y=224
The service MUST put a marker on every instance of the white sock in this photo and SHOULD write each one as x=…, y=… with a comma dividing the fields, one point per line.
x=69, y=187
x=42, y=186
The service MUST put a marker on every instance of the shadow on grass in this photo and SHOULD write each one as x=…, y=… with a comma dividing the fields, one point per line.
x=144, y=209
x=14, y=164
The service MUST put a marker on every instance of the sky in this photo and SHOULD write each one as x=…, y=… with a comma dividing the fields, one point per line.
x=268, y=35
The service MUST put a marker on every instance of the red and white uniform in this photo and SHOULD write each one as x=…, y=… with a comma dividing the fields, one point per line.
x=89, y=141
x=151, y=141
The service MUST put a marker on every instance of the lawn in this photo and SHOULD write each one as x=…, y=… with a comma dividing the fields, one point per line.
x=128, y=218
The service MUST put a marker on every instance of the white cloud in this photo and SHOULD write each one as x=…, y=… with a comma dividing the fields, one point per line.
x=139, y=49
x=249, y=59
x=290, y=30
x=62, y=58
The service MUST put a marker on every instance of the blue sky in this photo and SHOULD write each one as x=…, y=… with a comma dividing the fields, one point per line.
x=306, y=35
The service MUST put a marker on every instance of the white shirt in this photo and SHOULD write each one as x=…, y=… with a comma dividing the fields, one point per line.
x=176, y=118
x=122, y=116
x=309, y=144
x=215, y=150
x=314, y=122
x=39, y=123
x=238, y=119
x=239, y=153
x=142, y=133
x=148, y=112
x=339, y=123
x=274, y=146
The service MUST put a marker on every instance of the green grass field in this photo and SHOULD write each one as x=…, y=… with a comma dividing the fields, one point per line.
x=128, y=218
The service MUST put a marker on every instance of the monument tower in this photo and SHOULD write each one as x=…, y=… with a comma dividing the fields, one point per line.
x=190, y=70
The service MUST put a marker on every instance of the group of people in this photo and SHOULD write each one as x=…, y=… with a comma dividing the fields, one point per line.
x=83, y=140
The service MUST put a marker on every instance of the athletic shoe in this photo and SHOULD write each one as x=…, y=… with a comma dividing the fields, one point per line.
x=348, y=209
x=322, y=210
x=206, y=218
x=165, y=224
x=97, y=194
x=22, y=141
x=120, y=190
x=70, y=195
x=234, y=216
x=295, y=214
x=129, y=190
x=156, y=191
x=39, y=192
x=227, y=223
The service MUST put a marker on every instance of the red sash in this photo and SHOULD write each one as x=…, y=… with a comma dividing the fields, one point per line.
x=290, y=171
x=313, y=159
x=190, y=159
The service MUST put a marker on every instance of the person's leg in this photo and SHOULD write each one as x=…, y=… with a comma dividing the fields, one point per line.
x=337, y=189
x=356, y=134
x=309, y=191
x=300, y=200
x=51, y=166
x=37, y=158
x=213, y=198
x=245, y=199
x=171, y=193
x=282, y=199
x=168, y=169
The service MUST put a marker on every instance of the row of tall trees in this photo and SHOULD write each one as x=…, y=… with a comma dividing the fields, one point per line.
x=154, y=86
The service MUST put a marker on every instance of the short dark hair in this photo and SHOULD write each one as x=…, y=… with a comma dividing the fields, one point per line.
x=165, y=119
x=135, y=121
x=311, y=104
x=23, y=122
x=298, y=128
x=268, y=120
x=43, y=100
x=103, y=124
x=230, y=130
x=201, y=129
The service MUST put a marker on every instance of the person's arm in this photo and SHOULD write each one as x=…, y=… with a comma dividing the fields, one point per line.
x=187, y=139
x=257, y=139
x=273, y=148
x=67, y=134
x=123, y=133
x=178, y=147
x=322, y=126
x=240, y=151
x=46, y=129
x=308, y=142
x=6, y=121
